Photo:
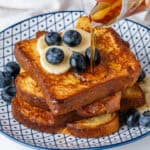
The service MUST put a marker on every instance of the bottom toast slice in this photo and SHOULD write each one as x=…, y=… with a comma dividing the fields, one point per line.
x=42, y=120
x=27, y=88
x=37, y=118
x=98, y=126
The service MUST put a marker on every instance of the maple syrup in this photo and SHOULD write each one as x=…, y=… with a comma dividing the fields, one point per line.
x=92, y=49
x=107, y=12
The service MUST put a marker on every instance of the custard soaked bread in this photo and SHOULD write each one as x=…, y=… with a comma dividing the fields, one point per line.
x=28, y=90
x=42, y=120
x=131, y=97
x=98, y=126
x=39, y=119
x=109, y=104
x=27, y=110
x=66, y=92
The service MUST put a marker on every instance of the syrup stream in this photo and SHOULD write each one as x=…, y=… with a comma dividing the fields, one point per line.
x=107, y=12
x=92, y=49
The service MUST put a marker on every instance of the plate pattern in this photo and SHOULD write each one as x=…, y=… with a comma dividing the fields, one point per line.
x=137, y=35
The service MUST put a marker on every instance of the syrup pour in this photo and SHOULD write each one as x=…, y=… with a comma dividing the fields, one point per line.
x=100, y=19
x=92, y=49
x=107, y=12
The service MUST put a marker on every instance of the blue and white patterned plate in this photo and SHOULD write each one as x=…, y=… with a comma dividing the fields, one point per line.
x=139, y=39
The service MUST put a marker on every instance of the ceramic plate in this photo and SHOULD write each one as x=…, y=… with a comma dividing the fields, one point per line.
x=137, y=35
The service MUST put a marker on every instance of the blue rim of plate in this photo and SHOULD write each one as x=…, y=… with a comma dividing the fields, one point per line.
x=94, y=148
x=62, y=12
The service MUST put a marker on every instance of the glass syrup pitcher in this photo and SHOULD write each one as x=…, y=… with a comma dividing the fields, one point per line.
x=106, y=12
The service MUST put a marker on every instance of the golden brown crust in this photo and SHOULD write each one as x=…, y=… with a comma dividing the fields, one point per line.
x=37, y=118
x=88, y=132
x=42, y=120
x=132, y=97
x=33, y=100
x=117, y=70
x=83, y=23
x=109, y=104
x=40, y=33
x=30, y=122
x=26, y=121
x=28, y=89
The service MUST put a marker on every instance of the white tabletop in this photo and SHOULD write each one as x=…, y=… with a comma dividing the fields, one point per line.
x=17, y=10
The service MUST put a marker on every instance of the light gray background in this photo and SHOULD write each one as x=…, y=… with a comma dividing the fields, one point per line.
x=12, y=11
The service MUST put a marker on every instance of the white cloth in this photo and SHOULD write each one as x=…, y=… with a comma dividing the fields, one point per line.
x=12, y=11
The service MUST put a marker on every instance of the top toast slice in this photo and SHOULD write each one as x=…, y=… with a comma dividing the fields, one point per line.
x=66, y=92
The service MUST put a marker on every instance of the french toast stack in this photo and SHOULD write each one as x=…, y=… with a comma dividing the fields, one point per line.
x=85, y=108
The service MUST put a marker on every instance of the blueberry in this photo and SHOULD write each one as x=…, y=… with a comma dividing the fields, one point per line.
x=13, y=68
x=122, y=117
x=54, y=55
x=5, y=79
x=146, y=113
x=78, y=62
x=8, y=93
x=133, y=117
x=72, y=38
x=96, y=60
x=53, y=38
x=142, y=76
x=145, y=119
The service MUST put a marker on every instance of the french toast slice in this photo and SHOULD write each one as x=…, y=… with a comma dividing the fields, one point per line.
x=132, y=97
x=28, y=89
x=109, y=104
x=42, y=120
x=37, y=118
x=93, y=127
x=66, y=92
